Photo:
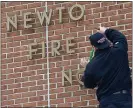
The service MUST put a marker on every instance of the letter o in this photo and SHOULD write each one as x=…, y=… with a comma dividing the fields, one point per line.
x=81, y=15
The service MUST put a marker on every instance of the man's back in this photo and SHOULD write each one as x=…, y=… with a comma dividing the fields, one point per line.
x=109, y=69
x=111, y=72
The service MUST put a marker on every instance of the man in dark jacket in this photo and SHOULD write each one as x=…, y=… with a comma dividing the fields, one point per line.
x=109, y=69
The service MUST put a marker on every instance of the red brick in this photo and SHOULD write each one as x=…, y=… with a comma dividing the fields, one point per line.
x=3, y=77
x=55, y=80
x=116, y=7
x=28, y=94
x=12, y=86
x=128, y=4
x=125, y=11
x=107, y=3
x=56, y=101
x=7, y=50
x=72, y=99
x=18, y=105
x=68, y=57
x=68, y=4
x=7, y=92
x=72, y=88
x=58, y=69
x=3, y=5
x=11, y=55
x=40, y=82
x=20, y=59
x=52, y=86
x=3, y=56
x=13, y=3
x=14, y=96
x=90, y=6
x=37, y=98
x=56, y=37
x=20, y=7
x=31, y=104
x=24, y=100
x=7, y=81
x=35, y=88
x=88, y=97
x=4, y=98
x=54, y=27
x=69, y=25
x=99, y=20
x=125, y=21
x=37, y=77
x=42, y=92
x=7, y=9
x=58, y=90
x=29, y=73
x=13, y=65
x=19, y=38
x=62, y=63
x=61, y=31
x=79, y=93
x=93, y=102
x=14, y=75
x=129, y=26
x=14, y=33
x=64, y=105
x=20, y=69
x=37, y=35
x=20, y=90
x=82, y=103
x=42, y=103
x=26, y=84
x=36, y=67
x=62, y=95
x=5, y=61
x=129, y=15
x=3, y=87
x=100, y=9
x=85, y=22
x=34, y=5
x=8, y=102
x=10, y=14
x=117, y=17
x=109, y=24
x=108, y=13
x=27, y=31
x=77, y=29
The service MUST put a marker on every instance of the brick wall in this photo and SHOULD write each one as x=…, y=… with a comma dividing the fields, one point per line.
x=24, y=81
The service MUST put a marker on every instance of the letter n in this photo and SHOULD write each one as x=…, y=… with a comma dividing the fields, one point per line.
x=69, y=78
x=10, y=22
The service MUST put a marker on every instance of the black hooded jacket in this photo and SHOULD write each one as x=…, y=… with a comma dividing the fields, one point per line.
x=109, y=69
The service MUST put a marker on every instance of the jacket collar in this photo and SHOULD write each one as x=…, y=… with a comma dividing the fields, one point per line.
x=100, y=51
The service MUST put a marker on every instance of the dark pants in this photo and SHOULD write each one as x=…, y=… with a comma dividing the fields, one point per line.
x=117, y=101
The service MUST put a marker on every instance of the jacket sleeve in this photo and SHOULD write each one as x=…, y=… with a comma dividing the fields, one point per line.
x=117, y=38
x=88, y=79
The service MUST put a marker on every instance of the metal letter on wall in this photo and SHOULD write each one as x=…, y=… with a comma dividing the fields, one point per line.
x=68, y=44
x=80, y=71
x=55, y=46
x=32, y=50
x=60, y=13
x=26, y=19
x=43, y=49
x=10, y=22
x=69, y=78
x=41, y=17
x=81, y=15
